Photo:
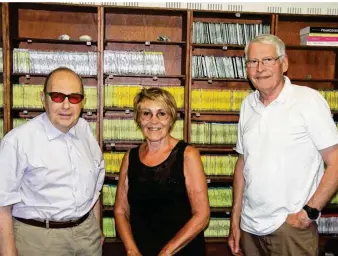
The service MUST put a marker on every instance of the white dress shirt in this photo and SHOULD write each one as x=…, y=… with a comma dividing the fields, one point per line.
x=282, y=164
x=48, y=174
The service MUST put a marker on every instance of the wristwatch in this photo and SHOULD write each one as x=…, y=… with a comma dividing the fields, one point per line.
x=312, y=213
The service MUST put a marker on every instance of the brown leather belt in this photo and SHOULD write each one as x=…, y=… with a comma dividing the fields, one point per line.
x=53, y=224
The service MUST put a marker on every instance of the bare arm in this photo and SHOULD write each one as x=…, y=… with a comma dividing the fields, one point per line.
x=97, y=211
x=7, y=242
x=329, y=182
x=198, y=196
x=238, y=188
x=121, y=210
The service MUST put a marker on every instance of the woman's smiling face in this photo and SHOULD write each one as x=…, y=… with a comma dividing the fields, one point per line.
x=154, y=120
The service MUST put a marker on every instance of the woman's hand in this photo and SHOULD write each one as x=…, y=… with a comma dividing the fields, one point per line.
x=164, y=252
x=133, y=253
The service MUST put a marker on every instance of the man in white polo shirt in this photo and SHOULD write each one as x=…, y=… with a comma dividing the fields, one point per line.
x=285, y=134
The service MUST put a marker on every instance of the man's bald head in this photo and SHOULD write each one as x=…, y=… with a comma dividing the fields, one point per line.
x=58, y=71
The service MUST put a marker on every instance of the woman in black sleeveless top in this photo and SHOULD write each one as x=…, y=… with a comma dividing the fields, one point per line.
x=161, y=203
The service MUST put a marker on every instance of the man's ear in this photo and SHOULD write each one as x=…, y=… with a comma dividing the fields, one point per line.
x=43, y=99
x=285, y=63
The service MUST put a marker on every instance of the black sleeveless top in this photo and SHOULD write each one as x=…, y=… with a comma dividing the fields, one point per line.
x=159, y=204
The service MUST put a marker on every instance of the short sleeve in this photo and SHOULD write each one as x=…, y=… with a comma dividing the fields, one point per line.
x=11, y=174
x=319, y=122
x=239, y=145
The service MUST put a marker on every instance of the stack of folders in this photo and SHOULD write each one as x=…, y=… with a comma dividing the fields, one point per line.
x=227, y=33
x=214, y=133
x=28, y=96
x=1, y=128
x=108, y=192
x=122, y=96
x=43, y=62
x=217, y=99
x=328, y=225
x=218, y=67
x=331, y=96
x=108, y=226
x=126, y=130
x=91, y=97
x=1, y=95
x=321, y=36
x=218, y=227
x=92, y=125
x=219, y=165
x=113, y=161
x=133, y=63
x=220, y=196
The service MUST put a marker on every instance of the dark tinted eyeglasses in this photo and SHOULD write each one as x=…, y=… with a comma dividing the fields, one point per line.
x=58, y=97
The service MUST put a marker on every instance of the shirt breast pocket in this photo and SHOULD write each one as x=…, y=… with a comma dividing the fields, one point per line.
x=251, y=139
x=93, y=177
x=36, y=176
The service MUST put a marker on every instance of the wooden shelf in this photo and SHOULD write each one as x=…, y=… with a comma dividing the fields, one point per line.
x=221, y=209
x=208, y=112
x=219, y=179
x=314, y=80
x=145, y=42
x=154, y=77
x=112, y=240
x=112, y=176
x=311, y=47
x=219, y=46
x=215, y=148
x=27, y=75
x=53, y=41
x=216, y=239
x=107, y=209
x=120, y=145
x=210, y=80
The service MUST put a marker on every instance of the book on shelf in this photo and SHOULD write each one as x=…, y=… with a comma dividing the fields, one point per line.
x=320, y=34
x=306, y=38
x=326, y=30
x=319, y=43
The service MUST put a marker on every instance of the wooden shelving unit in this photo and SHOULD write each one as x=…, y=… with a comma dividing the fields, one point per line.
x=37, y=26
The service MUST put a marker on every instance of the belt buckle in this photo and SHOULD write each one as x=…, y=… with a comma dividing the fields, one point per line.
x=47, y=223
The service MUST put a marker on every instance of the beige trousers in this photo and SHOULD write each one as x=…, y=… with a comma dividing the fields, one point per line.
x=82, y=240
x=285, y=241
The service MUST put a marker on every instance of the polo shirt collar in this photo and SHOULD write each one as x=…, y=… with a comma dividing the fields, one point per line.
x=283, y=95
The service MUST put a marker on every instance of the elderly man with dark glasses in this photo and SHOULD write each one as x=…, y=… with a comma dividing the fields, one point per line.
x=52, y=172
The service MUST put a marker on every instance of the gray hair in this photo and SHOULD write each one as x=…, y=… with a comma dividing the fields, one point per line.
x=268, y=39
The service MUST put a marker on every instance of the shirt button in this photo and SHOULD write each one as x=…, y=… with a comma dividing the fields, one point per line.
x=70, y=147
x=75, y=189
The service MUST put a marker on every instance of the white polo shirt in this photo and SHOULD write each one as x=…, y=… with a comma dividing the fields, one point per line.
x=280, y=143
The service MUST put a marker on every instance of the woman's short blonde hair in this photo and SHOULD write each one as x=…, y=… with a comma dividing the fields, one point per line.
x=159, y=96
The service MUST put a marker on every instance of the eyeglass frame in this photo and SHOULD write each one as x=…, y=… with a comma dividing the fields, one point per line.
x=141, y=111
x=262, y=61
x=65, y=96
